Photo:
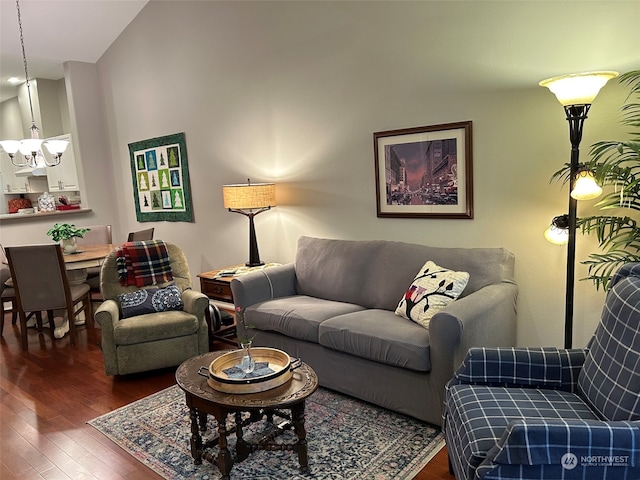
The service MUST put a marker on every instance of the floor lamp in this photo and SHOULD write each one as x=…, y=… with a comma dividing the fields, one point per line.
x=250, y=199
x=575, y=92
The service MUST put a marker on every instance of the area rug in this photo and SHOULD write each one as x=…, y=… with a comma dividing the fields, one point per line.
x=347, y=439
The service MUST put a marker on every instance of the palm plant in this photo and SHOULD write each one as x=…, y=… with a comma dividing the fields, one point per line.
x=615, y=164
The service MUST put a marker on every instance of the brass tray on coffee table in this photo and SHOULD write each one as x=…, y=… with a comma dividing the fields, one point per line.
x=275, y=368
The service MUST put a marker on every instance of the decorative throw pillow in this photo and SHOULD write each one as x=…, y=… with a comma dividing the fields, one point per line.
x=432, y=289
x=150, y=300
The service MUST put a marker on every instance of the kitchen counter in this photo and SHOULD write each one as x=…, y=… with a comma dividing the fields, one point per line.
x=34, y=216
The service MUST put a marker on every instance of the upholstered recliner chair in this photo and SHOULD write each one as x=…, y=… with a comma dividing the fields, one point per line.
x=151, y=340
x=548, y=413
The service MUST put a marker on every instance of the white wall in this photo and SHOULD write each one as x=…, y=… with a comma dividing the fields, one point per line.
x=292, y=93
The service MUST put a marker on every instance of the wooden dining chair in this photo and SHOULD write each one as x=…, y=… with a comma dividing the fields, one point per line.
x=141, y=235
x=97, y=235
x=40, y=282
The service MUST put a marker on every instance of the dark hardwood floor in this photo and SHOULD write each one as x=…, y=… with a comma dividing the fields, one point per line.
x=49, y=393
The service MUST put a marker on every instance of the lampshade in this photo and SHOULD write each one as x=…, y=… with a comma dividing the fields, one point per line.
x=56, y=147
x=558, y=231
x=585, y=187
x=10, y=146
x=577, y=88
x=30, y=145
x=247, y=196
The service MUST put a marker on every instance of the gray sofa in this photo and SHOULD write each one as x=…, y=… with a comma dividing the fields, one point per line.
x=334, y=308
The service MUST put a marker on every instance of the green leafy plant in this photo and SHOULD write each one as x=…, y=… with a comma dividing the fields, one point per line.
x=615, y=164
x=65, y=231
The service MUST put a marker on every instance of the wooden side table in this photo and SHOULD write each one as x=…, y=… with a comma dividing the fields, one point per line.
x=218, y=289
x=216, y=285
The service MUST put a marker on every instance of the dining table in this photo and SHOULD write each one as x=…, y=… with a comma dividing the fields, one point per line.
x=85, y=257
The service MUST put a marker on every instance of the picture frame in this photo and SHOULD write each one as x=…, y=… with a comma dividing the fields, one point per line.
x=160, y=175
x=424, y=172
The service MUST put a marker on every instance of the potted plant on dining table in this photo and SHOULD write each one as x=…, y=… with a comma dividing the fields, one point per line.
x=67, y=234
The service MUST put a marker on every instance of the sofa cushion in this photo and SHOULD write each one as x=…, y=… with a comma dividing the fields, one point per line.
x=432, y=289
x=297, y=316
x=154, y=326
x=610, y=378
x=378, y=335
x=376, y=273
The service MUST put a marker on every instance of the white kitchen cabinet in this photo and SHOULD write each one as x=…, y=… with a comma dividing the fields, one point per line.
x=10, y=182
x=64, y=176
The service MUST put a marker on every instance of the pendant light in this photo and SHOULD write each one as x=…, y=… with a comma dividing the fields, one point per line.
x=31, y=147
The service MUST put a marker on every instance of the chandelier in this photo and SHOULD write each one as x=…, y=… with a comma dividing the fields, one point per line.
x=31, y=147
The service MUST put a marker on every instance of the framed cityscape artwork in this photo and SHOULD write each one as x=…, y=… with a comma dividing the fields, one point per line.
x=160, y=174
x=424, y=172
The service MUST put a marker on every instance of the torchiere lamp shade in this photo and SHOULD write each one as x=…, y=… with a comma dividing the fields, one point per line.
x=577, y=88
x=558, y=231
x=585, y=186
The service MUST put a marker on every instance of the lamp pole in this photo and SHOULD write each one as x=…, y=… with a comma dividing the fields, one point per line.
x=575, y=92
x=576, y=115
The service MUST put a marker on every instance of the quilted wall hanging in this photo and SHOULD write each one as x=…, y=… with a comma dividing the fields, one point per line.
x=160, y=174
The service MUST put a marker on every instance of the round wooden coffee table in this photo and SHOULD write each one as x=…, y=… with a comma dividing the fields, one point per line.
x=202, y=400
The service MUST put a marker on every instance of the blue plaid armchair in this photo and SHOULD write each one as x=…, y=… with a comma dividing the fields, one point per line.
x=548, y=413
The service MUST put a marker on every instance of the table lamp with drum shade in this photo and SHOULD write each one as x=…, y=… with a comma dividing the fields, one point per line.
x=250, y=199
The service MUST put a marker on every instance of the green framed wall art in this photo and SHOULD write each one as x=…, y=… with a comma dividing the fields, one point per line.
x=160, y=174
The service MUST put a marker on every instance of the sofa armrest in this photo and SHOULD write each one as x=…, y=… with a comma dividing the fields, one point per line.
x=533, y=367
x=567, y=444
x=267, y=284
x=107, y=315
x=485, y=317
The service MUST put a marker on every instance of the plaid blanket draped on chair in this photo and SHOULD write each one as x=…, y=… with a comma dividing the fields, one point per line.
x=143, y=263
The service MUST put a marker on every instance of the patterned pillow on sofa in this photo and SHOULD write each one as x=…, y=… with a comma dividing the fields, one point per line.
x=432, y=289
x=150, y=300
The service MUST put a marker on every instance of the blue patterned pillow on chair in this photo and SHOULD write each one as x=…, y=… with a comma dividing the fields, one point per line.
x=150, y=300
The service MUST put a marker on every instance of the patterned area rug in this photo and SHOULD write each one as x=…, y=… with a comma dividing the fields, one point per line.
x=347, y=439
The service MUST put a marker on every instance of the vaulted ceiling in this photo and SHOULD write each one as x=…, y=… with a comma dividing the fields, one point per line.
x=507, y=44
x=58, y=31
